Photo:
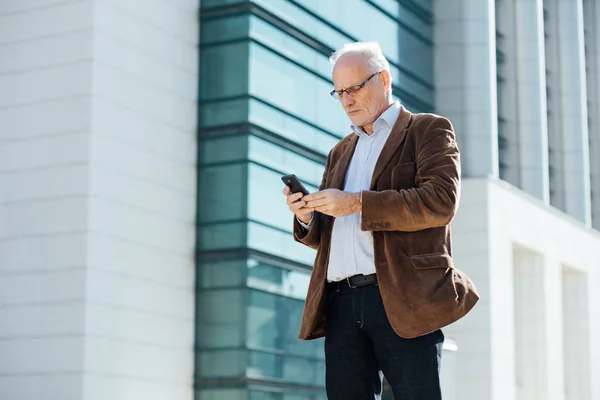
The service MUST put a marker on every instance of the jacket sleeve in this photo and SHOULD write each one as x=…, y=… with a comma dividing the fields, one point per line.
x=312, y=237
x=434, y=199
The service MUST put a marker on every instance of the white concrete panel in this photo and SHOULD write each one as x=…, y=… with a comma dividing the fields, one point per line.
x=131, y=191
x=136, y=360
x=64, y=286
x=110, y=253
x=140, y=226
x=102, y=386
x=42, y=253
x=152, y=70
x=518, y=220
x=132, y=92
x=20, y=356
x=119, y=323
x=67, y=48
x=52, y=319
x=144, y=132
x=46, y=386
x=44, y=183
x=465, y=76
x=56, y=117
x=55, y=216
x=42, y=21
x=135, y=294
x=56, y=82
x=162, y=15
x=110, y=20
x=67, y=149
x=97, y=159
x=126, y=158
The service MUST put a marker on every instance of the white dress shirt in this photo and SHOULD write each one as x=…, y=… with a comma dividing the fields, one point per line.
x=352, y=251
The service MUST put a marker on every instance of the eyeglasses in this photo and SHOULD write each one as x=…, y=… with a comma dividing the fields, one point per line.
x=337, y=94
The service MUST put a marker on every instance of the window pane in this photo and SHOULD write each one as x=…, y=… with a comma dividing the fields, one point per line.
x=222, y=150
x=290, y=369
x=222, y=236
x=294, y=129
x=221, y=193
x=224, y=71
x=274, y=323
x=220, y=316
x=222, y=394
x=224, y=273
x=286, y=161
x=278, y=243
x=223, y=113
x=295, y=90
x=276, y=280
x=221, y=363
x=224, y=29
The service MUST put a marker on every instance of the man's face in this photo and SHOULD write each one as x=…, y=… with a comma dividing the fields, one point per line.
x=364, y=106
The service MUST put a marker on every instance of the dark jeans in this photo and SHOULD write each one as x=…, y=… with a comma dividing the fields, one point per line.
x=360, y=345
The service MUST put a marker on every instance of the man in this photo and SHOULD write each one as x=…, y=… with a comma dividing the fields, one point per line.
x=383, y=282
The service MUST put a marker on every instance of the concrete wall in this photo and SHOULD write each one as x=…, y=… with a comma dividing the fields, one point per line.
x=533, y=265
x=97, y=199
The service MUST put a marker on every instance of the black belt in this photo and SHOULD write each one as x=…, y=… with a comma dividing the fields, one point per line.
x=355, y=281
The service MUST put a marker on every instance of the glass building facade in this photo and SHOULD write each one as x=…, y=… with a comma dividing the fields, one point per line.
x=265, y=111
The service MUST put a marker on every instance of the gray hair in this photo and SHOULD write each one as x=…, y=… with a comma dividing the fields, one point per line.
x=371, y=51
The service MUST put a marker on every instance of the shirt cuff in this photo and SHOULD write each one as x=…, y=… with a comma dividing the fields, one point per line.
x=309, y=225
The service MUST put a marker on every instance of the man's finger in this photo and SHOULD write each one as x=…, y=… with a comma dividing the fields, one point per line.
x=296, y=206
x=293, y=198
x=286, y=190
x=316, y=195
x=316, y=203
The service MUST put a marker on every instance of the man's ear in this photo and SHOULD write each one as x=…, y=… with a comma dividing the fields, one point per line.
x=386, y=79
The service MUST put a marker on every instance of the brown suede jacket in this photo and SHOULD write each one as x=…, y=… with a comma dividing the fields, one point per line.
x=414, y=195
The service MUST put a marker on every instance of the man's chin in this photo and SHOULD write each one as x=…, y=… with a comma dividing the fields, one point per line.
x=356, y=121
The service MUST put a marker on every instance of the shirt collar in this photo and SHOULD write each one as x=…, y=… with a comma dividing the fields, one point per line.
x=388, y=117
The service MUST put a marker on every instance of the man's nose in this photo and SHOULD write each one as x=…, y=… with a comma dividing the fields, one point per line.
x=346, y=99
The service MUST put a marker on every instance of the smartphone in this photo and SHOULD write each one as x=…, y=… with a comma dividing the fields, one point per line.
x=294, y=184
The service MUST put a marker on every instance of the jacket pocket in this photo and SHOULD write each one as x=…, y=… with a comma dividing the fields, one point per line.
x=403, y=176
x=431, y=261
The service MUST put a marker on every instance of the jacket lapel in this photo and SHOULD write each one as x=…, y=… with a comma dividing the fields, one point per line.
x=339, y=174
x=392, y=144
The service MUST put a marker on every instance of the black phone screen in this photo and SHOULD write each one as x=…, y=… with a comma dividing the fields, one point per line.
x=294, y=184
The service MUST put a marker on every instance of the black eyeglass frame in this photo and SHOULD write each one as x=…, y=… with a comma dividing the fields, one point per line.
x=351, y=90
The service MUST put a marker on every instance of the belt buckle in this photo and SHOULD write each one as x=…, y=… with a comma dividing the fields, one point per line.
x=349, y=284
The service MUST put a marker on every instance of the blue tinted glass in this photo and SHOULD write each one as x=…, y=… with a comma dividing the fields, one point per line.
x=221, y=236
x=221, y=113
x=219, y=3
x=224, y=71
x=223, y=149
x=223, y=193
x=280, y=42
x=276, y=280
x=220, y=316
x=266, y=202
x=294, y=129
x=295, y=90
x=222, y=394
x=278, y=243
x=222, y=273
x=223, y=29
x=221, y=363
x=285, y=161
x=291, y=369
x=273, y=324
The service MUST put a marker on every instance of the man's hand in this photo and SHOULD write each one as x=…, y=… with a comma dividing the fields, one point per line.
x=334, y=202
x=297, y=205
